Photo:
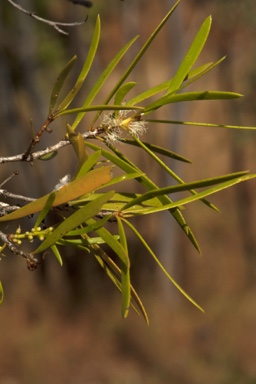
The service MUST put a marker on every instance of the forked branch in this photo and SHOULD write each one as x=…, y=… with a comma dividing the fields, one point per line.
x=55, y=24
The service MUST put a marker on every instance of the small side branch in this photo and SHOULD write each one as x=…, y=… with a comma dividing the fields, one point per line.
x=55, y=24
x=46, y=151
x=32, y=262
x=5, y=193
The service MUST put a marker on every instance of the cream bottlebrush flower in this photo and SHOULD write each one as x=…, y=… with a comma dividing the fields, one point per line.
x=112, y=125
x=136, y=126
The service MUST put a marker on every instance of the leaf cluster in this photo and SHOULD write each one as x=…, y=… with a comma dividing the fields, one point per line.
x=88, y=208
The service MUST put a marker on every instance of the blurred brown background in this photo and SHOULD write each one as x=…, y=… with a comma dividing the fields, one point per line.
x=63, y=325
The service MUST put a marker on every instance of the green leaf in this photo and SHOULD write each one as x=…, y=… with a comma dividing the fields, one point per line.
x=242, y=127
x=169, y=170
x=122, y=253
x=130, y=176
x=148, y=93
x=199, y=72
x=89, y=228
x=80, y=216
x=114, y=273
x=150, y=185
x=57, y=254
x=77, y=142
x=1, y=293
x=190, y=96
x=78, y=145
x=101, y=80
x=85, y=184
x=89, y=164
x=122, y=92
x=141, y=53
x=234, y=177
x=113, y=244
x=156, y=149
x=48, y=156
x=45, y=210
x=192, y=76
x=120, y=163
x=126, y=297
x=126, y=165
x=59, y=83
x=86, y=67
x=102, y=107
x=199, y=195
x=191, y=56
x=161, y=265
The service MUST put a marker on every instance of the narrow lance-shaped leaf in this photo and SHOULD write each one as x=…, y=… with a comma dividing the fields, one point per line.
x=197, y=73
x=190, y=96
x=89, y=164
x=149, y=93
x=57, y=254
x=82, y=230
x=48, y=156
x=192, y=76
x=130, y=176
x=101, y=80
x=129, y=167
x=160, y=150
x=122, y=92
x=169, y=170
x=161, y=265
x=126, y=297
x=102, y=107
x=78, y=145
x=114, y=273
x=73, y=221
x=200, y=124
x=83, y=74
x=200, y=195
x=141, y=52
x=85, y=184
x=186, y=187
x=45, y=210
x=191, y=56
x=121, y=252
x=59, y=83
x=176, y=213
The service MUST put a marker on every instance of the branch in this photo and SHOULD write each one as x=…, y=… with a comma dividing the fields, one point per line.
x=48, y=150
x=5, y=193
x=32, y=262
x=55, y=24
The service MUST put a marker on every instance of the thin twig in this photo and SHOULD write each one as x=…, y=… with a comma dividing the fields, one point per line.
x=15, y=173
x=5, y=193
x=55, y=24
x=6, y=208
x=37, y=137
x=46, y=151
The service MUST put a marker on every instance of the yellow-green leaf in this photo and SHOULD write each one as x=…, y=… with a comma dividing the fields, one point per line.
x=78, y=144
x=59, y=83
x=57, y=254
x=73, y=221
x=85, y=184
